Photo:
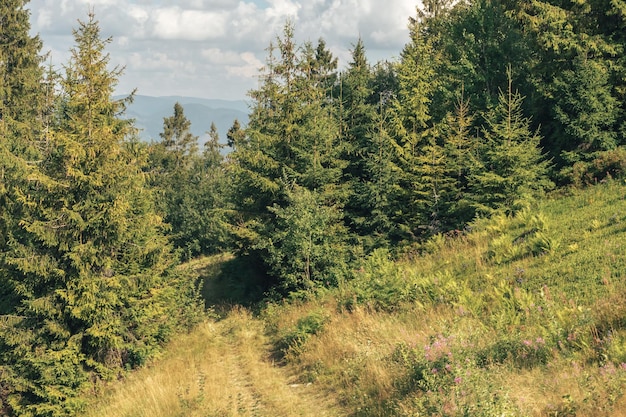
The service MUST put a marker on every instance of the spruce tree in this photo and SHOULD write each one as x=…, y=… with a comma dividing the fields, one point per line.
x=173, y=165
x=177, y=139
x=21, y=73
x=461, y=148
x=21, y=122
x=411, y=123
x=577, y=76
x=90, y=265
x=586, y=113
x=206, y=210
x=512, y=170
x=291, y=141
x=235, y=134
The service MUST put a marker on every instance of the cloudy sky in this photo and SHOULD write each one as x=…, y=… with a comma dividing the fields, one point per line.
x=214, y=48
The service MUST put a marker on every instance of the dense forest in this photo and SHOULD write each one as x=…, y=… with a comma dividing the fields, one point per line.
x=490, y=104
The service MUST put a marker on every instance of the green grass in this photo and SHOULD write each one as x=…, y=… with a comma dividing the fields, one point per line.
x=521, y=316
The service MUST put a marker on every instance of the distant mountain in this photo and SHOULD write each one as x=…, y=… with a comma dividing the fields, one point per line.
x=149, y=112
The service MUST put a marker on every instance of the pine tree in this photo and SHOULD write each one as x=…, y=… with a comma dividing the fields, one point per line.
x=291, y=141
x=412, y=124
x=370, y=170
x=173, y=164
x=578, y=76
x=461, y=150
x=378, y=190
x=206, y=211
x=307, y=245
x=235, y=134
x=21, y=73
x=91, y=266
x=481, y=40
x=512, y=170
x=587, y=111
x=436, y=189
x=21, y=108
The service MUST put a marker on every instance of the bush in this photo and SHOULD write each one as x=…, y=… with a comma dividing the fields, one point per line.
x=527, y=353
x=292, y=341
x=606, y=165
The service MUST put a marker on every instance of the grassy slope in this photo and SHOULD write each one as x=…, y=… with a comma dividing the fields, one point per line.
x=523, y=316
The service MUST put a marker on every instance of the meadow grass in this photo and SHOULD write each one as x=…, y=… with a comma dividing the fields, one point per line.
x=522, y=315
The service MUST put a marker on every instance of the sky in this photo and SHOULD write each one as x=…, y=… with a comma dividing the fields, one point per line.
x=215, y=48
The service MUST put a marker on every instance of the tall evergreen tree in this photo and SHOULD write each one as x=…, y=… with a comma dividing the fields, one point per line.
x=206, y=211
x=180, y=144
x=369, y=151
x=21, y=111
x=578, y=75
x=21, y=73
x=411, y=122
x=291, y=141
x=461, y=148
x=512, y=170
x=172, y=162
x=235, y=134
x=90, y=265
x=190, y=186
x=481, y=40
x=586, y=112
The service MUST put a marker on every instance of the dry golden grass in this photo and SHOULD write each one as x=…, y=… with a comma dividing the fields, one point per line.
x=221, y=369
x=348, y=367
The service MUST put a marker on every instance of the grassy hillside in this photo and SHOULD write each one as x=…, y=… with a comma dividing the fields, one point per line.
x=522, y=316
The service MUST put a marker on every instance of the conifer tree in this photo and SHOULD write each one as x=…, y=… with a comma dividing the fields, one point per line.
x=461, y=150
x=480, y=40
x=90, y=265
x=412, y=124
x=371, y=171
x=586, y=113
x=180, y=144
x=307, y=246
x=173, y=162
x=205, y=211
x=190, y=186
x=235, y=134
x=512, y=170
x=21, y=73
x=578, y=76
x=291, y=141
x=21, y=115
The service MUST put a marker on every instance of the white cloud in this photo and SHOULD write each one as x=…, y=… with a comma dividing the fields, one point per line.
x=249, y=68
x=282, y=9
x=176, y=23
x=44, y=19
x=214, y=48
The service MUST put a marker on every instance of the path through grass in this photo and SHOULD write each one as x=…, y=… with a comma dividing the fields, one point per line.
x=223, y=368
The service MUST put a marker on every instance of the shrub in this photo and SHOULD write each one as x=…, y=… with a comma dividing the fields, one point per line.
x=291, y=342
x=607, y=164
x=523, y=353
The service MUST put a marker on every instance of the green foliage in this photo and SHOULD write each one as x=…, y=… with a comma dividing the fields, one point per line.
x=382, y=284
x=85, y=261
x=292, y=341
x=512, y=169
x=307, y=244
x=191, y=188
x=371, y=171
x=605, y=165
x=575, y=75
x=290, y=161
x=443, y=375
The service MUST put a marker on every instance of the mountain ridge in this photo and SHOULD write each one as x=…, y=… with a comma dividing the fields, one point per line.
x=149, y=112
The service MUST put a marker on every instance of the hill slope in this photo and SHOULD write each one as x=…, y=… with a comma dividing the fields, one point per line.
x=522, y=316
